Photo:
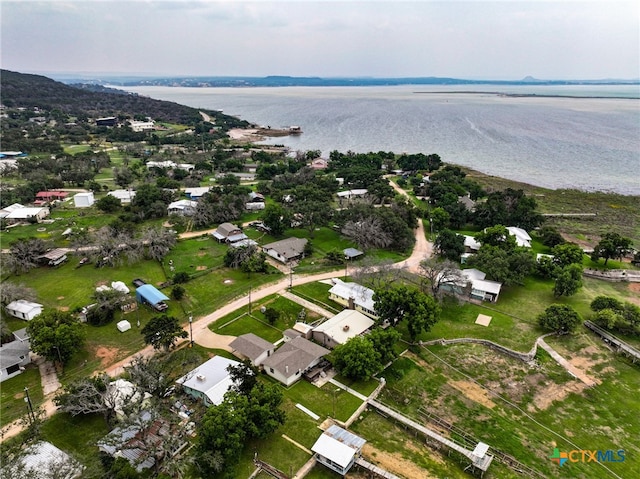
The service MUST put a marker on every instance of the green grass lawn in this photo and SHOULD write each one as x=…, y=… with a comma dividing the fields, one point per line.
x=12, y=394
x=318, y=293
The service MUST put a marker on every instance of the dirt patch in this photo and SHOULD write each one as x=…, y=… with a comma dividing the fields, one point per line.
x=473, y=392
x=101, y=283
x=635, y=288
x=63, y=308
x=18, y=396
x=200, y=268
x=201, y=254
x=394, y=463
x=60, y=298
x=107, y=355
x=556, y=392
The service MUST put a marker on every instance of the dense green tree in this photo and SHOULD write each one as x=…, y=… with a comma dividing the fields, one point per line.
x=357, y=359
x=497, y=236
x=384, y=341
x=449, y=245
x=108, y=204
x=163, y=332
x=439, y=219
x=559, y=318
x=568, y=281
x=56, y=335
x=507, y=267
x=550, y=236
x=402, y=303
x=612, y=245
x=605, y=302
x=244, y=377
x=271, y=315
x=276, y=218
x=509, y=207
x=546, y=268
x=565, y=254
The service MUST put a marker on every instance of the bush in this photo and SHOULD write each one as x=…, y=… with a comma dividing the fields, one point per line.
x=177, y=293
x=272, y=315
x=181, y=277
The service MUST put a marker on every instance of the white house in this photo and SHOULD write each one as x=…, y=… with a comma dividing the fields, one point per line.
x=182, y=208
x=286, y=250
x=252, y=347
x=83, y=200
x=353, y=296
x=27, y=214
x=195, y=193
x=293, y=359
x=209, y=381
x=125, y=196
x=23, y=309
x=471, y=245
x=338, y=449
x=342, y=327
x=254, y=205
x=352, y=194
x=522, y=237
x=139, y=126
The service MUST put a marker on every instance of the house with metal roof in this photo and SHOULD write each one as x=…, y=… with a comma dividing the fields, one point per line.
x=23, y=309
x=292, y=359
x=286, y=250
x=522, y=237
x=252, y=347
x=353, y=296
x=196, y=192
x=182, y=208
x=149, y=294
x=43, y=456
x=352, y=253
x=210, y=381
x=27, y=214
x=341, y=328
x=338, y=449
x=125, y=196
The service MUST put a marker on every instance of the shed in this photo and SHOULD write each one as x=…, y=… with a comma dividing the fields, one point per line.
x=149, y=294
x=23, y=309
x=337, y=449
x=54, y=257
x=351, y=253
x=83, y=200
x=123, y=326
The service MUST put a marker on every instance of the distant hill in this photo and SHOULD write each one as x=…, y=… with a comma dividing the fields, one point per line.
x=26, y=90
x=284, y=80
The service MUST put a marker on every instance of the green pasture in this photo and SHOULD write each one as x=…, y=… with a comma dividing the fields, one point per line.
x=12, y=394
x=317, y=293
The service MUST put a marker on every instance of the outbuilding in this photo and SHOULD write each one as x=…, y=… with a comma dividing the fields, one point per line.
x=149, y=294
x=23, y=309
x=338, y=449
x=83, y=200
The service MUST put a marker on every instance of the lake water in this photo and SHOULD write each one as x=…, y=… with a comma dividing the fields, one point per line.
x=555, y=142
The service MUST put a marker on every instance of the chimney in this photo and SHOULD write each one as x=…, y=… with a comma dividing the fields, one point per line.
x=286, y=369
x=351, y=303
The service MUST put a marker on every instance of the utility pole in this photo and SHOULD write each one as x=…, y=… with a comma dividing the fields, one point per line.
x=191, y=329
x=249, y=299
x=27, y=399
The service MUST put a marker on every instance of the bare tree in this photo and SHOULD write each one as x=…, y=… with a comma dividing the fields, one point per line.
x=109, y=246
x=23, y=255
x=377, y=275
x=11, y=292
x=435, y=273
x=158, y=242
x=367, y=233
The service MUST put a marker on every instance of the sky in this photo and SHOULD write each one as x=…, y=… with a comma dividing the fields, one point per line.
x=504, y=40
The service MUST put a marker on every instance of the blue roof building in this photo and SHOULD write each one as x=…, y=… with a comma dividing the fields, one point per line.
x=150, y=295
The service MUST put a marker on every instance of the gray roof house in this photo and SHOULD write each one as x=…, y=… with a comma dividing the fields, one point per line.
x=478, y=287
x=353, y=296
x=252, y=347
x=286, y=250
x=228, y=233
x=14, y=355
x=292, y=359
x=338, y=449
